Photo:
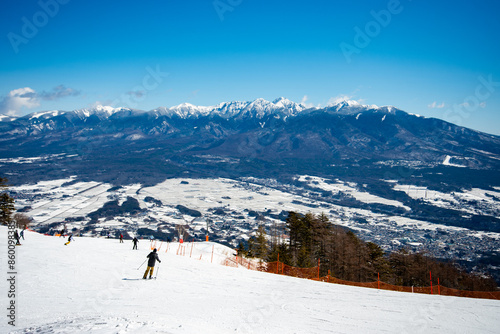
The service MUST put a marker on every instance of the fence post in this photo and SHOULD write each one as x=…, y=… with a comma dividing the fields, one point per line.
x=430, y=277
x=318, y=269
x=378, y=280
x=277, y=264
x=191, y=253
x=439, y=287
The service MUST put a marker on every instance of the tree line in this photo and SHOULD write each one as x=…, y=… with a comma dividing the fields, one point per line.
x=347, y=257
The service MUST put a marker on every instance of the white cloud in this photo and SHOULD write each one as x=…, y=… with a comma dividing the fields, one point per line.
x=97, y=104
x=435, y=105
x=27, y=98
x=304, y=102
x=471, y=106
x=341, y=98
x=17, y=100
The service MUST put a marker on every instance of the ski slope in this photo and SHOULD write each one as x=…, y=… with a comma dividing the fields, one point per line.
x=93, y=285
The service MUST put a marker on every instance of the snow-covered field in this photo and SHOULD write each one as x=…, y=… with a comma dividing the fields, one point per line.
x=485, y=201
x=229, y=206
x=93, y=285
x=349, y=189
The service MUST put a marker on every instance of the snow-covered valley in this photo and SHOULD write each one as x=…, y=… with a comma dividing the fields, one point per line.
x=233, y=209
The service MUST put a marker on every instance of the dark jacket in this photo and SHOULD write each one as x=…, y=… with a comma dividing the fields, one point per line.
x=135, y=240
x=153, y=256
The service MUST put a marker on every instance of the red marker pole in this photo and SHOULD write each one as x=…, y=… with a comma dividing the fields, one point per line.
x=318, y=269
x=430, y=276
x=277, y=264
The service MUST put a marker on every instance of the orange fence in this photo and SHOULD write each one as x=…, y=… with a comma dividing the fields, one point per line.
x=280, y=268
x=284, y=269
x=312, y=273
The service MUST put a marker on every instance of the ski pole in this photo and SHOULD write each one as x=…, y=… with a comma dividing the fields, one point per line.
x=157, y=270
x=141, y=264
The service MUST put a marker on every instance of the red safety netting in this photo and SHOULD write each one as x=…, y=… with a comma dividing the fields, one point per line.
x=436, y=289
x=283, y=269
x=313, y=274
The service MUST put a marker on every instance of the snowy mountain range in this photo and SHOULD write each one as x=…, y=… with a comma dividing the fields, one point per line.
x=272, y=131
x=259, y=108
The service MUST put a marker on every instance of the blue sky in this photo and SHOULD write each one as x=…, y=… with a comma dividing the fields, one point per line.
x=433, y=58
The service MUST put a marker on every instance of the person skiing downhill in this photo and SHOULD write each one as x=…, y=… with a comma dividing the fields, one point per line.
x=16, y=236
x=121, y=238
x=70, y=238
x=153, y=256
x=135, y=241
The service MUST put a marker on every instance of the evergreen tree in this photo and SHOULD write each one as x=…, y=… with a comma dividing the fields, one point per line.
x=251, y=247
x=293, y=225
x=241, y=250
x=6, y=204
x=261, y=249
x=284, y=254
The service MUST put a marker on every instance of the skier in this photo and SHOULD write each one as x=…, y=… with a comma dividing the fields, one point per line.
x=62, y=233
x=70, y=238
x=22, y=234
x=135, y=241
x=121, y=238
x=153, y=256
x=16, y=236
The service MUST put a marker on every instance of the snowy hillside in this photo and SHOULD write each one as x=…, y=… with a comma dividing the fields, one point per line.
x=93, y=285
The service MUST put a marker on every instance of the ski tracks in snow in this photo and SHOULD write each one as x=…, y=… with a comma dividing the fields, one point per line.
x=95, y=325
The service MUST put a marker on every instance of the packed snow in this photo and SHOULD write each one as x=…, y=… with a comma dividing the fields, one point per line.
x=94, y=285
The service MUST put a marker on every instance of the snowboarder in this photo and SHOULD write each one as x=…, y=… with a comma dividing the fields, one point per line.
x=153, y=256
x=70, y=238
x=16, y=236
x=135, y=241
x=121, y=238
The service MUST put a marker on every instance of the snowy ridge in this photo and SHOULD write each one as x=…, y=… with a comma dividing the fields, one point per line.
x=97, y=287
x=259, y=108
x=6, y=118
x=349, y=107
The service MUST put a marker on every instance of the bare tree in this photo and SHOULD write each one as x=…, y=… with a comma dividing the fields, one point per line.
x=21, y=220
